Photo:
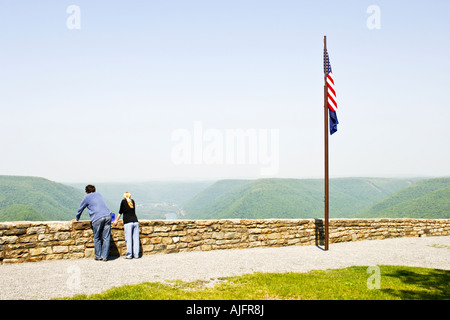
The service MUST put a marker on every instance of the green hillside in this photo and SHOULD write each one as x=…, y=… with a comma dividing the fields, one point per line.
x=20, y=212
x=428, y=198
x=204, y=199
x=37, y=199
x=289, y=198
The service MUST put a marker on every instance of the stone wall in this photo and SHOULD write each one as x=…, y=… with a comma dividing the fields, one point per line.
x=35, y=241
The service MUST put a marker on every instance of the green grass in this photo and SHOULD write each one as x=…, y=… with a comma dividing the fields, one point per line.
x=397, y=282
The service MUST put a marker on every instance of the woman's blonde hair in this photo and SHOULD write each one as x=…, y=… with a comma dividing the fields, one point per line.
x=127, y=196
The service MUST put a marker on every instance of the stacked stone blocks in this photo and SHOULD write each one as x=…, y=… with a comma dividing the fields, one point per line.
x=35, y=241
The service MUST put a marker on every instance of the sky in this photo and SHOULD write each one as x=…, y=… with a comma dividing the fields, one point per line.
x=99, y=91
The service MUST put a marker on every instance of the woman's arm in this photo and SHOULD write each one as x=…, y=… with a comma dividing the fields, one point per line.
x=117, y=219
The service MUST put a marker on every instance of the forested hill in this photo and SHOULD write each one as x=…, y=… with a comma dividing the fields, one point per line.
x=290, y=198
x=428, y=198
x=37, y=199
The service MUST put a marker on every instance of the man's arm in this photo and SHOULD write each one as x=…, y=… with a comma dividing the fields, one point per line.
x=119, y=214
x=83, y=206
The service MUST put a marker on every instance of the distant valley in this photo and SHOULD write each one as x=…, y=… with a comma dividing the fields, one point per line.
x=154, y=200
x=39, y=199
x=304, y=198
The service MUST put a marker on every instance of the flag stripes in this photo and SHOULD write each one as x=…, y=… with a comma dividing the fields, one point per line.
x=330, y=83
x=331, y=92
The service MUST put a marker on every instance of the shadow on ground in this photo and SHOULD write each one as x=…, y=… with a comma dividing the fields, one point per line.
x=434, y=284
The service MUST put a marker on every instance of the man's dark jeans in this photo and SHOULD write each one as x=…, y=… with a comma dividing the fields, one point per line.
x=102, y=235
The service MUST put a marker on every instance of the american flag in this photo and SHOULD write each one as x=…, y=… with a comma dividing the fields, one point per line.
x=331, y=93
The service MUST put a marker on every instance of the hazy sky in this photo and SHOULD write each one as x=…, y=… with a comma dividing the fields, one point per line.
x=148, y=90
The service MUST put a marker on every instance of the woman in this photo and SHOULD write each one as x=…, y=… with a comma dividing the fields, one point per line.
x=130, y=225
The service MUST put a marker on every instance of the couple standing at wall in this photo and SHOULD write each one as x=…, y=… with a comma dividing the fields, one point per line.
x=101, y=223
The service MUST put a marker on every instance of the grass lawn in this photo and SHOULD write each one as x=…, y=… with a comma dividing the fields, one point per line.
x=396, y=282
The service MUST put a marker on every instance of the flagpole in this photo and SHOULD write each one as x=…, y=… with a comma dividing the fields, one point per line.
x=325, y=115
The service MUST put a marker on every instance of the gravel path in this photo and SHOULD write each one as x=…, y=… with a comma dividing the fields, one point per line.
x=59, y=278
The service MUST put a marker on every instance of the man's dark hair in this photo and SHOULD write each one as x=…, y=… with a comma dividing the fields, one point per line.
x=90, y=188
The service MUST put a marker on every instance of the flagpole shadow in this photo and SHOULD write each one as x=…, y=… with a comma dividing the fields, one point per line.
x=319, y=234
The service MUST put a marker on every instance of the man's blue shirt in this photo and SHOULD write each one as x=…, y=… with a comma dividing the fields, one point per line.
x=96, y=206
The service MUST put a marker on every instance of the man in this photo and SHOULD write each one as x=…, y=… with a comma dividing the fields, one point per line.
x=100, y=219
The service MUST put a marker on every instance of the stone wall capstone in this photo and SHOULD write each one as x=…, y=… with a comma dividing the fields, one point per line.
x=26, y=241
